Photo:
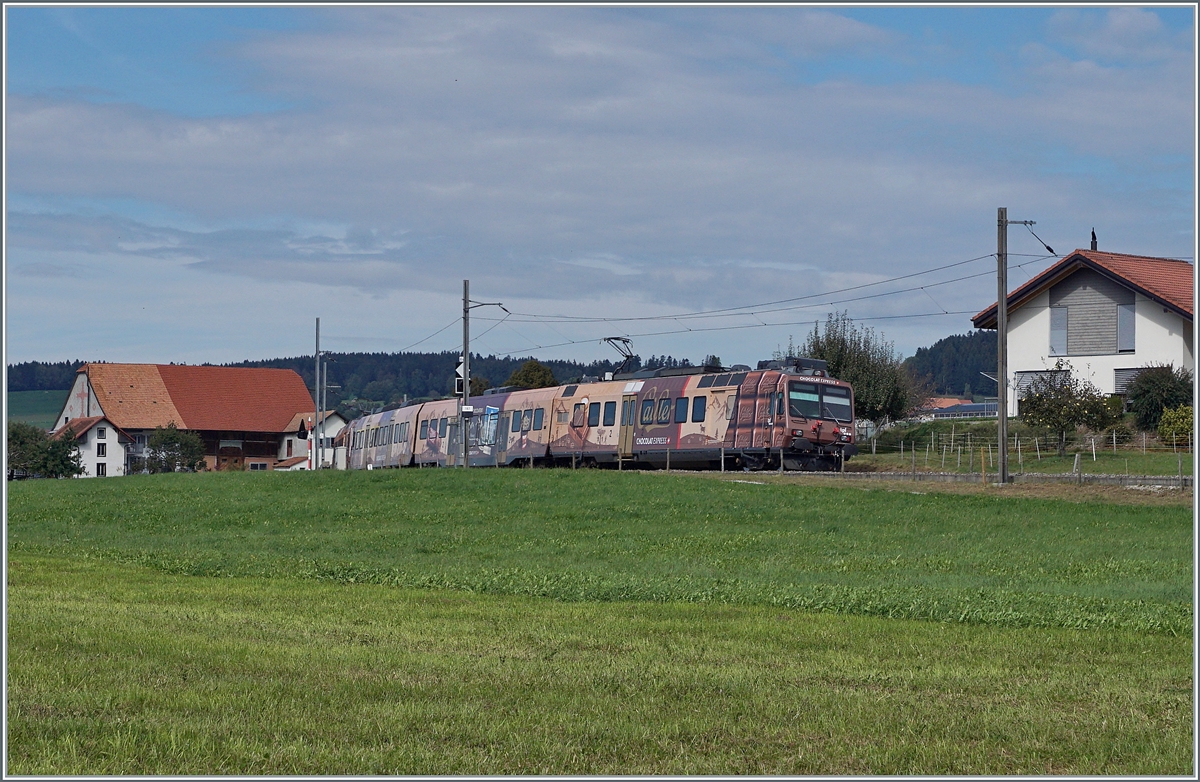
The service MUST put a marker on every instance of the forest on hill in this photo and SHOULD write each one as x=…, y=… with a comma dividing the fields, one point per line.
x=954, y=363
x=359, y=382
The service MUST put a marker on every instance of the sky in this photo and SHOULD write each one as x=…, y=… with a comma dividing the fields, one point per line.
x=200, y=184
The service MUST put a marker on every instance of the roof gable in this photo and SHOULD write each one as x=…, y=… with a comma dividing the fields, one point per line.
x=1168, y=281
x=145, y=396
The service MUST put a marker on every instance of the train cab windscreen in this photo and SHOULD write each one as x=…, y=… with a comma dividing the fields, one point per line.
x=809, y=400
x=835, y=403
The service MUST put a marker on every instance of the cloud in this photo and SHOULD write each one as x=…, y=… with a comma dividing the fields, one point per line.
x=606, y=160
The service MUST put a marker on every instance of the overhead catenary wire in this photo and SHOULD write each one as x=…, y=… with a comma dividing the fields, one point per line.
x=537, y=346
x=766, y=307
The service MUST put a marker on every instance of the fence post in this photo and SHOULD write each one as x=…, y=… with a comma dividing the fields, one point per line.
x=1093, y=449
x=982, y=469
x=668, y=457
x=722, y=458
x=781, y=460
x=914, y=461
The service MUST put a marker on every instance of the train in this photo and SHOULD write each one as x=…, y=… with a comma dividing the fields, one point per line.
x=785, y=415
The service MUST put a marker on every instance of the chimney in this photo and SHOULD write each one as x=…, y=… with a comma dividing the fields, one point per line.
x=1093, y=240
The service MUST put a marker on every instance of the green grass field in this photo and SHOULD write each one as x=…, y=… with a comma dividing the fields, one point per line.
x=537, y=621
x=37, y=408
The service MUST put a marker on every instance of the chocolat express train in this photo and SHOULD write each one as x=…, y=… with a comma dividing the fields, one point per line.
x=687, y=417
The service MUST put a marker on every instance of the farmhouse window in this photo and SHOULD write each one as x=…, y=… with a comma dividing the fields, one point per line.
x=100, y=432
x=101, y=449
x=101, y=469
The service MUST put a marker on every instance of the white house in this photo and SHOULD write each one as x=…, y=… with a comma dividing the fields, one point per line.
x=1105, y=315
x=294, y=451
x=102, y=446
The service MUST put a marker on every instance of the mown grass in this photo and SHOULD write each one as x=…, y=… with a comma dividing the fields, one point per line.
x=604, y=536
x=115, y=669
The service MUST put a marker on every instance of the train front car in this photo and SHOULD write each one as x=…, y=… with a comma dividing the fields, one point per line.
x=820, y=417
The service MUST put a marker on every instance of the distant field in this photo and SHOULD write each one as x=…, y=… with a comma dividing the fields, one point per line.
x=38, y=408
x=558, y=621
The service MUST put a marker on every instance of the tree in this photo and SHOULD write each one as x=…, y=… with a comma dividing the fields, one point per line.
x=61, y=458
x=34, y=452
x=26, y=448
x=883, y=390
x=479, y=384
x=532, y=374
x=1156, y=388
x=173, y=449
x=1061, y=402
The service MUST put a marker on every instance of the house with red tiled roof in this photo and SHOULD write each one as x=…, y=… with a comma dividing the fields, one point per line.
x=103, y=447
x=242, y=414
x=1104, y=315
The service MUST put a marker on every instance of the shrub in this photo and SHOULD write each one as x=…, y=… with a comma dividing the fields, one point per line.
x=1175, y=426
x=1155, y=389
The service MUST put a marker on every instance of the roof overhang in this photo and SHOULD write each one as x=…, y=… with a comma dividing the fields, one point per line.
x=1059, y=272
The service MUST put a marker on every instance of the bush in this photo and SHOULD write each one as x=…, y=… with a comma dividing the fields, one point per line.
x=1123, y=433
x=173, y=450
x=1175, y=426
x=1155, y=389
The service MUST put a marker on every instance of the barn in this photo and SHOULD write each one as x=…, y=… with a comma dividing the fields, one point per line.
x=244, y=415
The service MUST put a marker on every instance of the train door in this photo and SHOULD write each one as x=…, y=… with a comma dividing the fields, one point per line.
x=502, y=439
x=628, y=416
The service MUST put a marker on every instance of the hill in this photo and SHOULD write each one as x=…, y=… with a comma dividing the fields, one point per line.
x=954, y=363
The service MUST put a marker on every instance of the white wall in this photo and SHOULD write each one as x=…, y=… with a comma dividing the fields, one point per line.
x=114, y=458
x=81, y=402
x=1159, y=338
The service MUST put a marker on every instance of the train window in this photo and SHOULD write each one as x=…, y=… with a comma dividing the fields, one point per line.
x=648, y=411
x=594, y=414
x=779, y=404
x=707, y=381
x=539, y=417
x=720, y=380
x=836, y=402
x=578, y=414
x=610, y=413
x=803, y=400
x=526, y=420
x=664, y=410
x=442, y=426
x=569, y=390
x=627, y=407
x=736, y=380
x=516, y=421
x=729, y=411
x=681, y=410
x=561, y=416
x=424, y=429
x=698, y=409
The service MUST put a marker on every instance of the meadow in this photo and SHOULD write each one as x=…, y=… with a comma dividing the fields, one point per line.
x=538, y=621
x=37, y=408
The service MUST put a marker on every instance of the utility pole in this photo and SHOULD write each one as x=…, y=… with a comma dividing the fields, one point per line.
x=465, y=409
x=1002, y=224
x=314, y=457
